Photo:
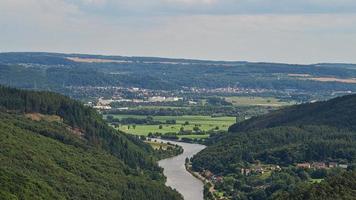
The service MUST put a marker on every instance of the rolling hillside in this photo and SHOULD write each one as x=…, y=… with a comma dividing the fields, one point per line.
x=63, y=72
x=322, y=132
x=52, y=147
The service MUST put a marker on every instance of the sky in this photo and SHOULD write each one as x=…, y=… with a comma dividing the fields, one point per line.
x=289, y=31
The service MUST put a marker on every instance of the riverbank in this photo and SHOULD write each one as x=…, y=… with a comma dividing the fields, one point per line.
x=207, y=184
x=190, y=186
x=164, y=150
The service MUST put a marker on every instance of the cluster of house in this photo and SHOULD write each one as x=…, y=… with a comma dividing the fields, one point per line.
x=211, y=177
x=163, y=99
x=231, y=90
x=259, y=169
x=104, y=104
x=321, y=165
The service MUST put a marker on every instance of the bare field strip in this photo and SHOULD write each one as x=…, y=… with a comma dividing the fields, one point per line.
x=299, y=75
x=330, y=79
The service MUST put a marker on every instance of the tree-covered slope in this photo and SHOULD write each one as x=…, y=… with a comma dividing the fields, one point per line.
x=335, y=187
x=68, y=152
x=338, y=112
x=280, y=146
x=42, y=160
x=323, y=132
x=319, y=131
x=86, y=120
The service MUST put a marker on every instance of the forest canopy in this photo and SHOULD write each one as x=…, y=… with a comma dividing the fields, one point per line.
x=53, y=147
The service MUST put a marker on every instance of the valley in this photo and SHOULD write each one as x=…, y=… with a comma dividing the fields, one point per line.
x=177, y=100
x=251, y=131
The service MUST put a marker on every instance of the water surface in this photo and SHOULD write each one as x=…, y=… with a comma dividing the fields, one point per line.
x=177, y=177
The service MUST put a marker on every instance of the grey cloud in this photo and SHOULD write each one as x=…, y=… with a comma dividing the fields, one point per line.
x=255, y=30
x=214, y=7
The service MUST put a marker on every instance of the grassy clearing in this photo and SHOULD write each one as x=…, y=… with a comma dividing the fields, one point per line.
x=219, y=194
x=316, y=180
x=257, y=101
x=266, y=175
x=39, y=117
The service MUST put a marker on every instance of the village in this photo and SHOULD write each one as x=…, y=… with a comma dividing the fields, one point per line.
x=105, y=104
x=262, y=169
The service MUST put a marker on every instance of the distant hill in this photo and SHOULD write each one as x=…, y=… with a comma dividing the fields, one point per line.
x=61, y=72
x=338, y=112
x=53, y=147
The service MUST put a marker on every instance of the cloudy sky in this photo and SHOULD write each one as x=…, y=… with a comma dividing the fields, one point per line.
x=293, y=31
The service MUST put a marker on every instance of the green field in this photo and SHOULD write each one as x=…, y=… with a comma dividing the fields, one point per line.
x=257, y=101
x=204, y=123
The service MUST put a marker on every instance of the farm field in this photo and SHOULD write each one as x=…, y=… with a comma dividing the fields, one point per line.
x=257, y=101
x=205, y=123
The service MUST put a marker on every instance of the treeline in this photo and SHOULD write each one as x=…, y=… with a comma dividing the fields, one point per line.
x=149, y=120
x=214, y=111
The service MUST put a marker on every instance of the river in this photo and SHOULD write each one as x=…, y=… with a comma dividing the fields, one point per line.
x=177, y=177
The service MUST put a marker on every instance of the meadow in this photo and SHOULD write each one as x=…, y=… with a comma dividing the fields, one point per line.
x=205, y=123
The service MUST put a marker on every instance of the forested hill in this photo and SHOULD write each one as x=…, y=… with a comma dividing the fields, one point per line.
x=84, y=119
x=323, y=132
x=338, y=112
x=65, y=72
x=53, y=147
x=334, y=187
